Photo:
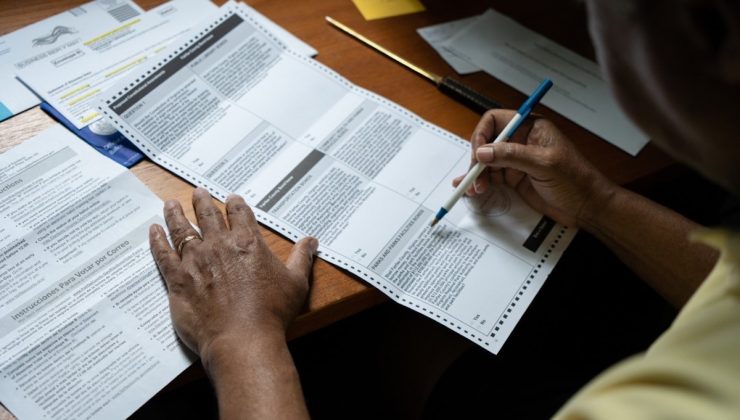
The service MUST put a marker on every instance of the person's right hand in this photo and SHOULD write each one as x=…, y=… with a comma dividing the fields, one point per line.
x=542, y=165
x=227, y=287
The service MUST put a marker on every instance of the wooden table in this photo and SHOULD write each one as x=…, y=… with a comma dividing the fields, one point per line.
x=335, y=294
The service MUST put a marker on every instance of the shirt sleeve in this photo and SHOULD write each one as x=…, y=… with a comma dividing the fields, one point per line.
x=693, y=370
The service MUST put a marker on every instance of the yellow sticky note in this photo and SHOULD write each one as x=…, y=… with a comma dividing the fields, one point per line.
x=377, y=9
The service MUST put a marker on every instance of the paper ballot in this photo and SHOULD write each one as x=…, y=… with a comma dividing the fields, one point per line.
x=85, y=329
x=314, y=154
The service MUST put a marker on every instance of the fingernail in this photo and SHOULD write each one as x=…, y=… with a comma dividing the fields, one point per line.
x=484, y=154
x=170, y=204
x=232, y=197
x=201, y=191
x=476, y=186
x=153, y=230
x=313, y=245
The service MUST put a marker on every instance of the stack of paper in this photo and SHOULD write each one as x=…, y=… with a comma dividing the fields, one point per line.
x=87, y=50
x=54, y=39
x=522, y=58
x=85, y=330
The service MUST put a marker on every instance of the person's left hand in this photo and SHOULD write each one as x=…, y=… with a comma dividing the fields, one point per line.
x=227, y=286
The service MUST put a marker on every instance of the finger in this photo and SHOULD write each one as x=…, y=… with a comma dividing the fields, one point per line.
x=471, y=191
x=239, y=214
x=210, y=219
x=521, y=135
x=300, y=259
x=488, y=127
x=500, y=119
x=165, y=257
x=526, y=158
x=482, y=134
x=456, y=183
x=178, y=225
x=457, y=180
x=481, y=183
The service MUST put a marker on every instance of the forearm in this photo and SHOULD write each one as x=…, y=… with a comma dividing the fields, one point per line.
x=653, y=241
x=256, y=378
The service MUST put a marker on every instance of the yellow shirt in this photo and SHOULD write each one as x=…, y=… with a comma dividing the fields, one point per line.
x=693, y=370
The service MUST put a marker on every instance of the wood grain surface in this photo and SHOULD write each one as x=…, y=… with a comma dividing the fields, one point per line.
x=335, y=294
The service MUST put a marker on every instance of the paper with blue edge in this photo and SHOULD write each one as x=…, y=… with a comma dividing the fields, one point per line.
x=110, y=142
x=4, y=112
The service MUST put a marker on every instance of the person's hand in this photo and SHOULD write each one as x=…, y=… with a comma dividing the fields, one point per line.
x=227, y=286
x=542, y=165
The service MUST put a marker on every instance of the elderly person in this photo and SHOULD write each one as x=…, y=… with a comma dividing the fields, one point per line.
x=675, y=68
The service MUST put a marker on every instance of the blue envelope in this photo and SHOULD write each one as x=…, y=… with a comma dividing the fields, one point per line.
x=102, y=136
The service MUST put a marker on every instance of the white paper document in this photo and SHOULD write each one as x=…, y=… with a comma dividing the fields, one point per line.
x=85, y=330
x=53, y=39
x=92, y=64
x=89, y=63
x=522, y=58
x=233, y=110
x=436, y=35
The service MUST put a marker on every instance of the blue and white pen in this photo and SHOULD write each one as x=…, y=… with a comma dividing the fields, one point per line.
x=505, y=135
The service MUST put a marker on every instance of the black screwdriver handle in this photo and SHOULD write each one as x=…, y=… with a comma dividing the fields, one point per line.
x=466, y=95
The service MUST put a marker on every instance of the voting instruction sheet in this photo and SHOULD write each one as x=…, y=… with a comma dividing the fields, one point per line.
x=85, y=328
x=233, y=110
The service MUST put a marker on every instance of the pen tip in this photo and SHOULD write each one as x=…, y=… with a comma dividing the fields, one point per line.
x=434, y=222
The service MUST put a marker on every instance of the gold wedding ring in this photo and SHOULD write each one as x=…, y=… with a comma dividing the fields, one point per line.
x=184, y=241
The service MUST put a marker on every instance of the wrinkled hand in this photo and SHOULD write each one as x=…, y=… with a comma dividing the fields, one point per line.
x=227, y=286
x=542, y=165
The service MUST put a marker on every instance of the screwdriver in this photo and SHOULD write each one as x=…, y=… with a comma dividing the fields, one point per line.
x=447, y=85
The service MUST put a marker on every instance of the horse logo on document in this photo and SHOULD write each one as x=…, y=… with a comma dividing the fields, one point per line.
x=57, y=32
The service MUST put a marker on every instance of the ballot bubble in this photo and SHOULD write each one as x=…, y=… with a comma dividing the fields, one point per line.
x=493, y=203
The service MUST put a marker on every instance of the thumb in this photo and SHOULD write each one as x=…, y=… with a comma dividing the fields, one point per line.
x=300, y=259
x=529, y=159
